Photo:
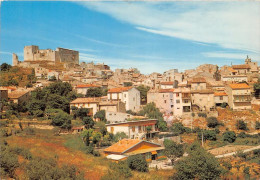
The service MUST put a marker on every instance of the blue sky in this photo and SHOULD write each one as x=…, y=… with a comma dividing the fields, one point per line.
x=151, y=36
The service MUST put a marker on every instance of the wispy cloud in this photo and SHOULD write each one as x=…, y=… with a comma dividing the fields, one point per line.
x=239, y=56
x=232, y=25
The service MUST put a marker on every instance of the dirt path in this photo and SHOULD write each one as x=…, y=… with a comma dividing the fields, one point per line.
x=232, y=153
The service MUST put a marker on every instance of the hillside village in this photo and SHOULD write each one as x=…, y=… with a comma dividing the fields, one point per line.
x=124, y=113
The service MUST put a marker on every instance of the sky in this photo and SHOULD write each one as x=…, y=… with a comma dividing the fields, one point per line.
x=150, y=36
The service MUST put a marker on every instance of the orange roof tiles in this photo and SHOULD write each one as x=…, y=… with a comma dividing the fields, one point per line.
x=239, y=86
x=220, y=94
x=241, y=66
x=122, y=145
x=86, y=100
x=17, y=94
x=120, y=89
x=86, y=86
x=167, y=83
x=198, y=80
x=166, y=90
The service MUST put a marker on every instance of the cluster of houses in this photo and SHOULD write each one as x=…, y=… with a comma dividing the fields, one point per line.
x=175, y=94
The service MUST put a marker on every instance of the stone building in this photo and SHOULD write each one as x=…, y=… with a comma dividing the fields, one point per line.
x=33, y=54
x=239, y=96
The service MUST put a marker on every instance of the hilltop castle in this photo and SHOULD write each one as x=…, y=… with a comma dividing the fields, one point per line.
x=34, y=55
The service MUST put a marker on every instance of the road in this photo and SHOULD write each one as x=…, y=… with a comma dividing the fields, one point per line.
x=231, y=154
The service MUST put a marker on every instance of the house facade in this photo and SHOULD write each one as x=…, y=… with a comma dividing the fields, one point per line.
x=128, y=147
x=128, y=95
x=239, y=96
x=134, y=129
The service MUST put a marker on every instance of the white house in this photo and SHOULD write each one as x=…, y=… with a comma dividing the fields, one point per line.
x=83, y=88
x=128, y=95
x=134, y=129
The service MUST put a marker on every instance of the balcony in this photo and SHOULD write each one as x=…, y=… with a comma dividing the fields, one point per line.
x=242, y=100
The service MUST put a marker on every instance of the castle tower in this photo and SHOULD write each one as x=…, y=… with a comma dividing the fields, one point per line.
x=15, y=59
x=29, y=52
x=247, y=60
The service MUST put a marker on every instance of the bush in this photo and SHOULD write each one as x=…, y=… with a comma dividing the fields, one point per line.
x=62, y=119
x=178, y=128
x=229, y=136
x=23, y=152
x=202, y=114
x=208, y=135
x=212, y=122
x=224, y=105
x=8, y=161
x=40, y=168
x=118, y=170
x=242, y=125
x=257, y=125
x=29, y=131
x=138, y=163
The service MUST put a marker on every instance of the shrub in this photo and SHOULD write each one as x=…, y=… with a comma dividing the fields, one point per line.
x=138, y=163
x=8, y=161
x=178, y=128
x=22, y=151
x=212, y=122
x=118, y=170
x=257, y=125
x=224, y=105
x=202, y=114
x=208, y=135
x=29, y=131
x=242, y=125
x=229, y=136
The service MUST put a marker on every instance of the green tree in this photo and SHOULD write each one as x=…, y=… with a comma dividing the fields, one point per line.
x=152, y=112
x=173, y=150
x=143, y=93
x=53, y=78
x=101, y=126
x=62, y=119
x=229, y=136
x=119, y=135
x=94, y=92
x=128, y=84
x=5, y=67
x=199, y=164
x=242, y=125
x=81, y=113
x=88, y=122
x=257, y=125
x=212, y=122
x=178, y=128
x=101, y=115
x=138, y=163
x=257, y=89
x=208, y=135
x=55, y=101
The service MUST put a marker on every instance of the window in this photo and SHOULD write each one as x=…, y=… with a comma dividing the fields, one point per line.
x=221, y=97
x=133, y=99
x=171, y=106
x=186, y=101
x=133, y=128
x=177, y=94
x=112, y=129
x=139, y=129
x=177, y=101
x=165, y=101
x=124, y=95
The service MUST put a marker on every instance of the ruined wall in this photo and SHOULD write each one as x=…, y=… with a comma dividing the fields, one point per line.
x=68, y=56
x=15, y=59
x=29, y=52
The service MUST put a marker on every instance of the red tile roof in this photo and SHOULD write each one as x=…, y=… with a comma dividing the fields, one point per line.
x=166, y=90
x=120, y=89
x=167, y=83
x=86, y=100
x=17, y=94
x=86, y=86
x=241, y=66
x=122, y=145
x=239, y=86
x=198, y=80
x=220, y=94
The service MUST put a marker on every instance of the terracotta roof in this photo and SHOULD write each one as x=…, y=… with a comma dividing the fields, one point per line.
x=136, y=75
x=86, y=86
x=167, y=83
x=122, y=145
x=17, y=94
x=232, y=70
x=239, y=86
x=241, y=66
x=204, y=91
x=166, y=90
x=120, y=89
x=8, y=87
x=86, y=100
x=198, y=80
x=220, y=94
